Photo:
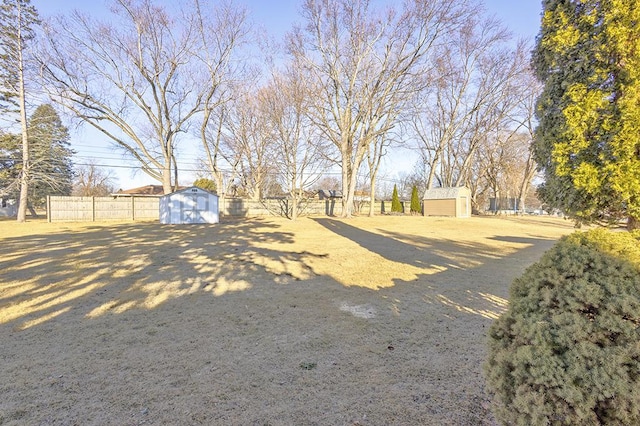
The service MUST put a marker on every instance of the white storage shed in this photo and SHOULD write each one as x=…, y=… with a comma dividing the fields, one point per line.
x=452, y=202
x=189, y=205
x=8, y=208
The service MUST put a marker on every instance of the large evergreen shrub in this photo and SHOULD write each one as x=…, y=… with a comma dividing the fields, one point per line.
x=396, y=205
x=206, y=184
x=567, y=351
x=416, y=208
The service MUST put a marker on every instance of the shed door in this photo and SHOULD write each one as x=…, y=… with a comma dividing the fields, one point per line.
x=202, y=206
x=189, y=209
x=464, y=206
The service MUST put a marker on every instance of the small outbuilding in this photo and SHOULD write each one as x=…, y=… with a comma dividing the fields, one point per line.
x=189, y=205
x=8, y=208
x=451, y=202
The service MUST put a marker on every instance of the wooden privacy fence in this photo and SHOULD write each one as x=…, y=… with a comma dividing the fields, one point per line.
x=91, y=209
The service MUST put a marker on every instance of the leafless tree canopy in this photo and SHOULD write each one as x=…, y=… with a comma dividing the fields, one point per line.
x=352, y=83
x=468, y=123
x=93, y=181
x=300, y=153
x=368, y=64
x=142, y=78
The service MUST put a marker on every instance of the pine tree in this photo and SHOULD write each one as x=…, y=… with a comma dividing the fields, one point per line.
x=416, y=208
x=396, y=206
x=587, y=144
x=10, y=156
x=51, y=165
x=17, y=21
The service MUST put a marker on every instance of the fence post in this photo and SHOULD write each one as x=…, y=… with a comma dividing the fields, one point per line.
x=133, y=207
x=49, y=208
x=93, y=209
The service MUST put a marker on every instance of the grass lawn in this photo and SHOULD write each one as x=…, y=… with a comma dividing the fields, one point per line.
x=367, y=321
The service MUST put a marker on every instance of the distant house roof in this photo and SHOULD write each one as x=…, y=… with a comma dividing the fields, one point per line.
x=147, y=190
x=362, y=196
x=445, y=193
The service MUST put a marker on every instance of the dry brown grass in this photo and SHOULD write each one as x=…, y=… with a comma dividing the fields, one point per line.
x=263, y=321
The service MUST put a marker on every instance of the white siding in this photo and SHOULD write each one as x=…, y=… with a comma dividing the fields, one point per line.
x=190, y=205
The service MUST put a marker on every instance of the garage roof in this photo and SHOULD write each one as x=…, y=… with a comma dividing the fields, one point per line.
x=445, y=193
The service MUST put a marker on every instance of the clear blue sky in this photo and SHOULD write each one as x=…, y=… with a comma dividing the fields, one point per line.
x=521, y=16
x=276, y=17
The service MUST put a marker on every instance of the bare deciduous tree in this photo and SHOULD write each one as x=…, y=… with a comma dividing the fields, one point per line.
x=226, y=72
x=367, y=65
x=248, y=141
x=474, y=71
x=300, y=155
x=221, y=159
x=17, y=21
x=504, y=164
x=525, y=117
x=93, y=181
x=140, y=82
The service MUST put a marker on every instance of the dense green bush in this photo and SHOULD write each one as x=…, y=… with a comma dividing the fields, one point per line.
x=396, y=205
x=567, y=351
x=416, y=208
x=206, y=184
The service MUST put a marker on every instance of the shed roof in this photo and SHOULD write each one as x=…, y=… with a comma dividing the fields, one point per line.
x=445, y=193
x=191, y=189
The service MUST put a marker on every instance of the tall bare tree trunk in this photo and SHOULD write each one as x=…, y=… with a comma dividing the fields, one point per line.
x=432, y=169
x=24, y=176
x=26, y=165
x=346, y=166
x=294, y=207
x=166, y=177
x=176, y=185
x=372, y=198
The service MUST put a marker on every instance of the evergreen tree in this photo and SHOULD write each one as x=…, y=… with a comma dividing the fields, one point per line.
x=51, y=166
x=588, y=145
x=17, y=21
x=396, y=206
x=416, y=208
x=10, y=156
x=206, y=184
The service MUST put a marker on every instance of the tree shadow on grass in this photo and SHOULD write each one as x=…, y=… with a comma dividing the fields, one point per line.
x=465, y=276
x=114, y=268
x=436, y=323
x=147, y=323
x=418, y=250
x=109, y=269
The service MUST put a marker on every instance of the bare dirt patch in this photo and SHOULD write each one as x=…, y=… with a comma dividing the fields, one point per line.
x=368, y=321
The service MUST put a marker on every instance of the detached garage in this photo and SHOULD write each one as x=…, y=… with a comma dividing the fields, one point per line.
x=189, y=205
x=452, y=202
